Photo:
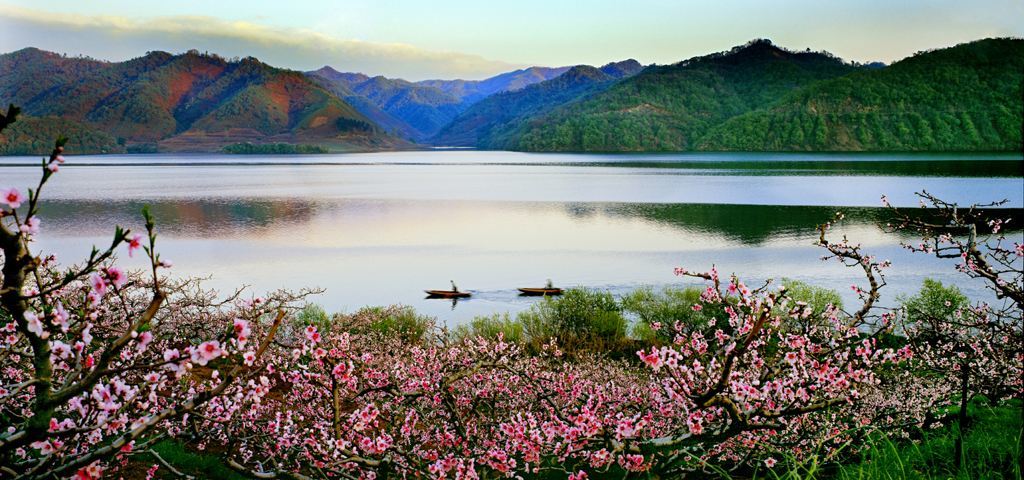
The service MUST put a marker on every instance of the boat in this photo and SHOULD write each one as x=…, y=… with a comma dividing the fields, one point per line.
x=540, y=292
x=446, y=294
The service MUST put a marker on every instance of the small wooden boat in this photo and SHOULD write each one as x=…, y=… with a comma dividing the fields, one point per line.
x=540, y=292
x=447, y=294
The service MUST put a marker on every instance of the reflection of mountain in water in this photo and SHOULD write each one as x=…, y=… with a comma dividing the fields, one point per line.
x=188, y=217
x=756, y=224
x=749, y=224
x=912, y=168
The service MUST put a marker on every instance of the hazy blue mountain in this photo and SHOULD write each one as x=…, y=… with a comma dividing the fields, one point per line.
x=489, y=122
x=472, y=91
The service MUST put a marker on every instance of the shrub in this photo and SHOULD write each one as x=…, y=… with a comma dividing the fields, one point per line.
x=489, y=327
x=818, y=298
x=934, y=301
x=397, y=321
x=579, y=318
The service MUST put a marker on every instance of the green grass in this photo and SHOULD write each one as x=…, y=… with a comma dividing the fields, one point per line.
x=991, y=452
x=191, y=462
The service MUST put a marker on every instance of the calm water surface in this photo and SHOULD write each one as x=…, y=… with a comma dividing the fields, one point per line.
x=377, y=229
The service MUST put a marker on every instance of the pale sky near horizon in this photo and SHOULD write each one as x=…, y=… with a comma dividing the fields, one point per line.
x=475, y=39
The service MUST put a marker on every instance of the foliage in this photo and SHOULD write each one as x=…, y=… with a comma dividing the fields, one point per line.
x=818, y=298
x=493, y=327
x=394, y=322
x=669, y=108
x=34, y=136
x=964, y=98
x=934, y=301
x=657, y=312
x=580, y=319
x=759, y=97
x=272, y=149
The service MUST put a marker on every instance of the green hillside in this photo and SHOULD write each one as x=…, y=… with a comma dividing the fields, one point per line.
x=967, y=97
x=35, y=136
x=670, y=108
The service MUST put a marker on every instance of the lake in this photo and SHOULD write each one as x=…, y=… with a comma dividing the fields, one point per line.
x=379, y=228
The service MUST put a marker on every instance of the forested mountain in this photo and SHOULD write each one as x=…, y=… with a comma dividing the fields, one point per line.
x=666, y=108
x=408, y=109
x=763, y=98
x=755, y=97
x=488, y=122
x=191, y=101
x=967, y=97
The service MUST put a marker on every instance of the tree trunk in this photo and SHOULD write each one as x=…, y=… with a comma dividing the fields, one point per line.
x=958, y=446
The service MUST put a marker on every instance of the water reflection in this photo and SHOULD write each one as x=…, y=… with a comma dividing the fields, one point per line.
x=370, y=252
x=380, y=228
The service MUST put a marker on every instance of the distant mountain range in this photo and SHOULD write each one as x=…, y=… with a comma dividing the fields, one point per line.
x=418, y=110
x=756, y=97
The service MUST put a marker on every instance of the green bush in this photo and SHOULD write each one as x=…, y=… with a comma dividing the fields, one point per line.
x=398, y=320
x=580, y=318
x=818, y=298
x=934, y=301
x=490, y=326
x=313, y=314
x=657, y=312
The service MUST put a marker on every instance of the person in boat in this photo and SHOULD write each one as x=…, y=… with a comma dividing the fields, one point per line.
x=454, y=288
x=549, y=285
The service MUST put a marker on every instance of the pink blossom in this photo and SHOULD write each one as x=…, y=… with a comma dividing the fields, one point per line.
x=116, y=276
x=98, y=285
x=92, y=472
x=12, y=197
x=134, y=244
x=61, y=316
x=312, y=335
x=769, y=462
x=45, y=447
x=206, y=351
x=35, y=325
x=242, y=330
x=143, y=341
x=652, y=359
x=31, y=226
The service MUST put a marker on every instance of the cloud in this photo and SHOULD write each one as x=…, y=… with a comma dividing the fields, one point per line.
x=119, y=38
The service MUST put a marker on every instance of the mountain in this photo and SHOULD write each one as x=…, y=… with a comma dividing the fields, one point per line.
x=419, y=110
x=488, y=122
x=472, y=91
x=669, y=108
x=967, y=97
x=187, y=102
x=408, y=109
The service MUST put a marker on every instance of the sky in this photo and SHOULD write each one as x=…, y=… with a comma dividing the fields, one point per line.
x=472, y=39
